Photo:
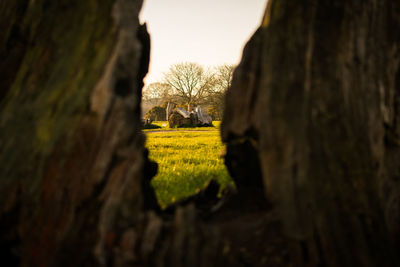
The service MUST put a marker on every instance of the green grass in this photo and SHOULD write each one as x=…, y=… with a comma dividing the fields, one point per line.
x=187, y=161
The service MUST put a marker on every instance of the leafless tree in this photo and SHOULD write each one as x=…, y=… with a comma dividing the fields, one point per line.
x=190, y=82
x=224, y=75
x=157, y=91
x=223, y=80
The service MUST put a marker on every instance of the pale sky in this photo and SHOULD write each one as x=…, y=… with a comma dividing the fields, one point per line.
x=209, y=32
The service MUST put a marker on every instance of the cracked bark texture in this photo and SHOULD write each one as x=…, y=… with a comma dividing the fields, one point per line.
x=72, y=152
x=316, y=97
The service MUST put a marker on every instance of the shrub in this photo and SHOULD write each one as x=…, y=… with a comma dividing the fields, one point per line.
x=156, y=113
x=214, y=113
x=151, y=126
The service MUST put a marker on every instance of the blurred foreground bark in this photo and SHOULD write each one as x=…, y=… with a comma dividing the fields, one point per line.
x=316, y=98
x=72, y=153
x=311, y=125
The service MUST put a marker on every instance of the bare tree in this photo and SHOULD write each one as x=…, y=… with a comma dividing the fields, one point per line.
x=223, y=80
x=156, y=92
x=224, y=75
x=190, y=82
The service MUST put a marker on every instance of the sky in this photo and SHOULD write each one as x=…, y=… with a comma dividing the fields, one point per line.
x=209, y=32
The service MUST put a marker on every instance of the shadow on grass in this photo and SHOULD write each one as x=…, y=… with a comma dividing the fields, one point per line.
x=151, y=126
x=179, y=186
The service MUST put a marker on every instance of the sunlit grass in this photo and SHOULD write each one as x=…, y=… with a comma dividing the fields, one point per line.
x=164, y=126
x=187, y=161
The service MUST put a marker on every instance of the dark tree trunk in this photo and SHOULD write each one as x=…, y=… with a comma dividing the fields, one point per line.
x=316, y=96
x=311, y=127
x=72, y=154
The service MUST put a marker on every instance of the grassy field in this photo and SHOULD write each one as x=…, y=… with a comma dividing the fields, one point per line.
x=187, y=159
x=164, y=126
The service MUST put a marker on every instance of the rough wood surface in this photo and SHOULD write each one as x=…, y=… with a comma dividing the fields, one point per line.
x=72, y=155
x=316, y=96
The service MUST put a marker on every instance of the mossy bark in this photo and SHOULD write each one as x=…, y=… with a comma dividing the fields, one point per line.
x=72, y=154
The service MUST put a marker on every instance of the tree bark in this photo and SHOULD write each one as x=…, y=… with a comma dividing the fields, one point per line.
x=316, y=97
x=72, y=152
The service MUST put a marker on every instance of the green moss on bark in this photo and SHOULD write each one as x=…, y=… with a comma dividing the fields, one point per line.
x=68, y=45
